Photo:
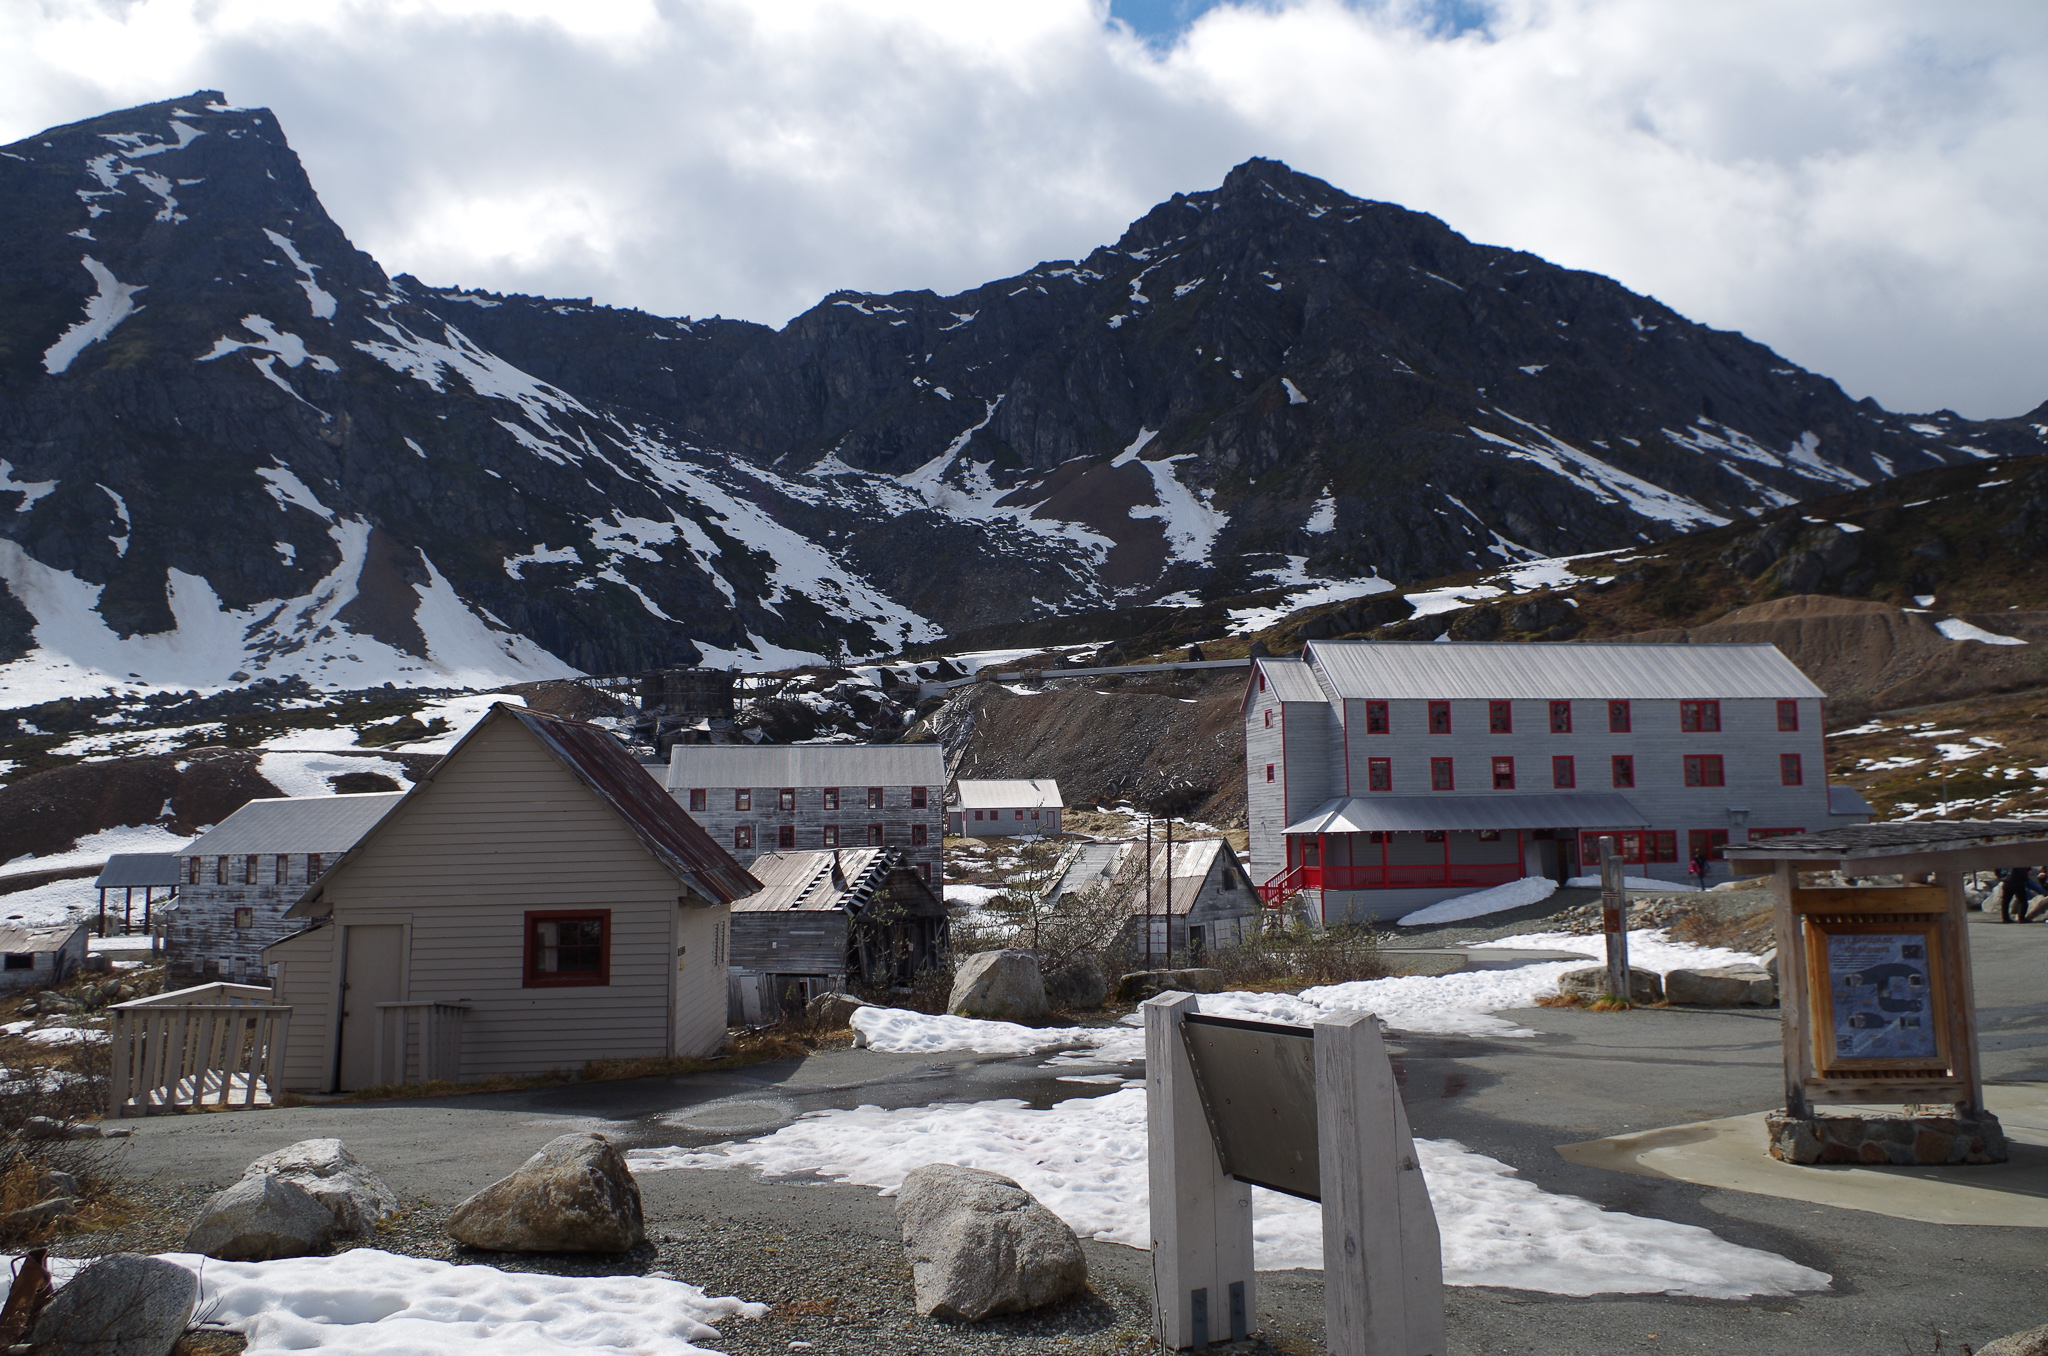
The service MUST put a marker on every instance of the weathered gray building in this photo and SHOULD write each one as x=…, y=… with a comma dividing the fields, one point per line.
x=35, y=956
x=991, y=808
x=804, y=797
x=237, y=880
x=1195, y=898
x=824, y=919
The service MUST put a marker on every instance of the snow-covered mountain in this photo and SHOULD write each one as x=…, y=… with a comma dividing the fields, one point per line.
x=232, y=447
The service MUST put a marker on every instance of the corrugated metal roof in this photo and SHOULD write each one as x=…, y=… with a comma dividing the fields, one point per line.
x=707, y=765
x=1847, y=800
x=603, y=764
x=803, y=880
x=134, y=870
x=1036, y=793
x=1401, y=670
x=1291, y=680
x=16, y=938
x=1092, y=865
x=1087, y=866
x=322, y=824
x=1407, y=814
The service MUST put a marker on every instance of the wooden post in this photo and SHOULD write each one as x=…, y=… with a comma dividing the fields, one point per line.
x=1792, y=1000
x=1201, y=1218
x=1614, y=918
x=1382, y=1256
x=1961, y=991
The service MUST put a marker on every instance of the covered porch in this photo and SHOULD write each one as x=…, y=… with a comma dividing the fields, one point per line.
x=1440, y=842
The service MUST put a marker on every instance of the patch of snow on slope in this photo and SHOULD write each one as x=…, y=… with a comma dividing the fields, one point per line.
x=281, y=344
x=92, y=850
x=1246, y=620
x=960, y=488
x=427, y=360
x=1515, y=894
x=317, y=297
x=1191, y=523
x=1710, y=436
x=1294, y=395
x=107, y=307
x=1085, y=1159
x=29, y=490
x=760, y=656
x=1323, y=517
x=1955, y=628
x=1599, y=479
x=287, y=488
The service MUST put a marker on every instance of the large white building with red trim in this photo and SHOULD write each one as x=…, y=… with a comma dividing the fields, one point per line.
x=1383, y=776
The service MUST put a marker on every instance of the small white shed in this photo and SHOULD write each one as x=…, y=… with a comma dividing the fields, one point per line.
x=989, y=808
x=31, y=956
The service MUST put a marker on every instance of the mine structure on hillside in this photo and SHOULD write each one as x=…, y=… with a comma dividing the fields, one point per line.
x=674, y=706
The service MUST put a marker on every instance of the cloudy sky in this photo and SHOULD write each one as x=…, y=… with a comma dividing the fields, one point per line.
x=1862, y=184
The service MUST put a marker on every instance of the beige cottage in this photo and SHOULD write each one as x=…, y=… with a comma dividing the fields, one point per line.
x=537, y=902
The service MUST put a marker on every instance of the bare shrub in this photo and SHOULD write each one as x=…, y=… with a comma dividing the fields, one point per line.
x=1301, y=957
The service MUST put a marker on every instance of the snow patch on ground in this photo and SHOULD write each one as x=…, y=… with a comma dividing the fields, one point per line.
x=899, y=1031
x=1955, y=628
x=1085, y=1160
x=111, y=304
x=317, y=297
x=93, y=850
x=1597, y=478
x=1513, y=895
x=1592, y=882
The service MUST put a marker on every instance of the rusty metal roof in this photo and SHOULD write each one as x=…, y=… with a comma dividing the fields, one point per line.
x=676, y=840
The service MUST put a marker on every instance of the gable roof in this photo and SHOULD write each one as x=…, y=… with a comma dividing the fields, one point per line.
x=707, y=765
x=21, y=938
x=1406, y=670
x=1184, y=869
x=135, y=870
x=629, y=790
x=803, y=881
x=1027, y=793
x=1289, y=680
x=291, y=824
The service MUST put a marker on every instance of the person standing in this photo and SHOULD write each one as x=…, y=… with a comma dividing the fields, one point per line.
x=1699, y=868
x=2012, y=894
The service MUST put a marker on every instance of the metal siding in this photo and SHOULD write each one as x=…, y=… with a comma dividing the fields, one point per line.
x=138, y=870
x=1037, y=794
x=323, y=824
x=1543, y=670
x=841, y=765
x=1409, y=814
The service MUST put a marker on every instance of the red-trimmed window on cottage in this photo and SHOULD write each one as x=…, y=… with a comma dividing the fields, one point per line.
x=1789, y=770
x=1699, y=717
x=1624, y=770
x=831, y=836
x=1788, y=717
x=785, y=838
x=568, y=947
x=917, y=835
x=1703, y=769
x=742, y=837
x=1376, y=718
x=1503, y=774
x=785, y=799
x=917, y=798
x=700, y=798
x=1269, y=717
x=1712, y=842
x=1439, y=717
x=1560, y=717
x=1379, y=774
x=742, y=798
x=1617, y=718
x=1440, y=777
x=1269, y=772
x=1564, y=773
x=1500, y=717
x=874, y=798
x=831, y=797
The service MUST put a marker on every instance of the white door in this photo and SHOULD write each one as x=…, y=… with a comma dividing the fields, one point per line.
x=371, y=958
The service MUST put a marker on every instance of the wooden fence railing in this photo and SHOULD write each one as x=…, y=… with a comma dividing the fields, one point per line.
x=419, y=1036
x=185, y=1056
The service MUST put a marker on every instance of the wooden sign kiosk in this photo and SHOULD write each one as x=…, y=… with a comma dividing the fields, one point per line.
x=1310, y=1111
x=1874, y=980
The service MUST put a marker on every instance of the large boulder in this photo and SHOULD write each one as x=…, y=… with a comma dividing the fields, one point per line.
x=979, y=1244
x=833, y=1010
x=2032, y=1342
x=1644, y=986
x=125, y=1304
x=1141, y=984
x=1003, y=985
x=575, y=1195
x=1729, y=986
x=261, y=1218
x=1078, y=984
x=331, y=1175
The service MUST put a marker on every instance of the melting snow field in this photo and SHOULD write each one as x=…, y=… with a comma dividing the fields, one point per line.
x=367, y=1302
x=1085, y=1159
x=1513, y=895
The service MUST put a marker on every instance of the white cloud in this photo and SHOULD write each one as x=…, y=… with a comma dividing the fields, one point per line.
x=1860, y=183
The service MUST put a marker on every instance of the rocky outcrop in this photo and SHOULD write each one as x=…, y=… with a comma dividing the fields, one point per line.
x=1001, y=985
x=981, y=1245
x=575, y=1195
x=125, y=1304
x=259, y=1219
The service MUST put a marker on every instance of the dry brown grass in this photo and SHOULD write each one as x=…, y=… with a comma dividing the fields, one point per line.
x=1751, y=930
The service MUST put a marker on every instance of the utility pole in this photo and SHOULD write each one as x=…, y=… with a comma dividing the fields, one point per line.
x=1148, y=892
x=1169, y=892
x=1614, y=918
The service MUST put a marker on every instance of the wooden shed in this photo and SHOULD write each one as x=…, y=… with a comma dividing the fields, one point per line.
x=33, y=956
x=1192, y=898
x=823, y=920
x=536, y=902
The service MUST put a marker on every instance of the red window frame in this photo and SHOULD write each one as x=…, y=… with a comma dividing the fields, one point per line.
x=1625, y=770
x=874, y=835
x=1788, y=717
x=1504, y=774
x=1560, y=717
x=1699, y=717
x=1442, y=776
x=785, y=799
x=1618, y=719
x=1705, y=769
x=1715, y=841
x=1500, y=717
x=1269, y=717
x=743, y=837
x=1376, y=718
x=1634, y=845
x=831, y=798
x=700, y=798
x=743, y=798
x=1269, y=772
x=829, y=836
x=284, y=867
x=537, y=978
x=1791, y=771
x=917, y=798
x=917, y=835
x=1379, y=774
x=785, y=838
x=1439, y=717
x=1564, y=772
x=874, y=798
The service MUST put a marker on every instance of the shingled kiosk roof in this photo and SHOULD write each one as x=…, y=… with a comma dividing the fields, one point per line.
x=1906, y=846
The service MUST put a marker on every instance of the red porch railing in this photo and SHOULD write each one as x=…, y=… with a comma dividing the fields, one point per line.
x=1390, y=877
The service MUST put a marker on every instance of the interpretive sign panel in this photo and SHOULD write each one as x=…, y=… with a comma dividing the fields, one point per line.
x=1258, y=1087
x=1881, y=988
